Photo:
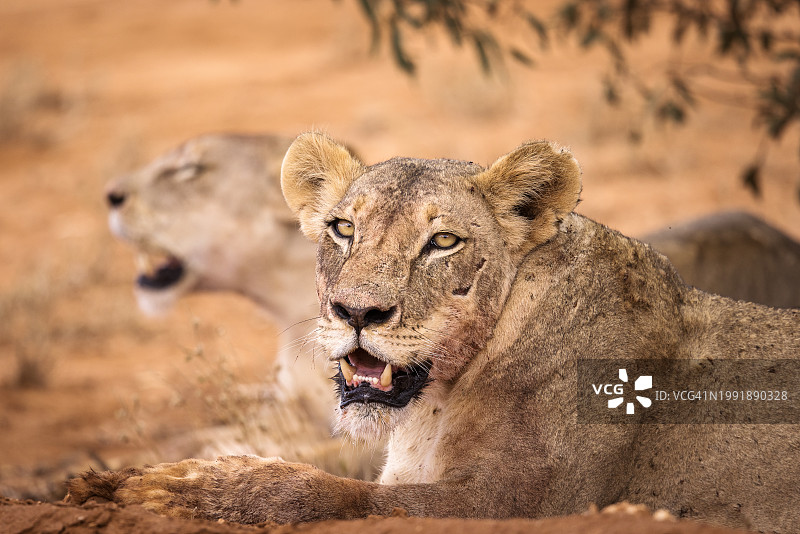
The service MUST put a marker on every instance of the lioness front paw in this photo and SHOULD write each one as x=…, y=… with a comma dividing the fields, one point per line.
x=186, y=489
x=92, y=486
x=244, y=489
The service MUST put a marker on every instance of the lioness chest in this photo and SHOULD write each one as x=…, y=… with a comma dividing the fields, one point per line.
x=414, y=454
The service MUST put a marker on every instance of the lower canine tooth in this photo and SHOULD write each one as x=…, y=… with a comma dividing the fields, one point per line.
x=144, y=263
x=347, y=370
x=386, y=376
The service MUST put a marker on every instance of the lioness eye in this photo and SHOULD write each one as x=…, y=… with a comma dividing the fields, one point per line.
x=183, y=173
x=444, y=240
x=343, y=228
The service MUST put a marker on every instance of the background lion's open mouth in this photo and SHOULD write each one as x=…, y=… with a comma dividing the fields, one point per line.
x=160, y=276
x=364, y=378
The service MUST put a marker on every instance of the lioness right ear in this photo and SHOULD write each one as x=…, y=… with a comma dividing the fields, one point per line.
x=315, y=175
x=530, y=189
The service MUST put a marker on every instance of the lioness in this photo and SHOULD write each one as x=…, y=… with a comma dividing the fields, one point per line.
x=458, y=301
x=210, y=215
x=736, y=255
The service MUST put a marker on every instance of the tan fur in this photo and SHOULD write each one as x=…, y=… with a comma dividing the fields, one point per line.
x=736, y=255
x=322, y=176
x=496, y=434
x=215, y=203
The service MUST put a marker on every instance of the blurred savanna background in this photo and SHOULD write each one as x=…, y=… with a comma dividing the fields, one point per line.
x=90, y=89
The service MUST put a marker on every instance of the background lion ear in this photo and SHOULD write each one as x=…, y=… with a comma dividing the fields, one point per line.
x=530, y=189
x=315, y=175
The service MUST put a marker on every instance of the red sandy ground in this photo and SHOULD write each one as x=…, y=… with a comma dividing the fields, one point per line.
x=90, y=88
x=33, y=516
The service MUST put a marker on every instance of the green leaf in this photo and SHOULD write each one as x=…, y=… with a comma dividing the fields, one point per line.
x=522, y=57
x=681, y=26
x=787, y=55
x=374, y=24
x=670, y=111
x=486, y=47
x=751, y=178
x=400, y=11
x=776, y=127
x=610, y=92
x=540, y=29
x=766, y=38
x=683, y=90
x=454, y=29
x=483, y=55
x=400, y=57
x=591, y=36
x=570, y=15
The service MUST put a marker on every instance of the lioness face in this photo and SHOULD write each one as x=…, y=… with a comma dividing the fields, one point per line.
x=194, y=212
x=415, y=261
x=412, y=275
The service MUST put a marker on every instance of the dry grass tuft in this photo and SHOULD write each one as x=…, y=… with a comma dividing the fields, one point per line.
x=59, y=304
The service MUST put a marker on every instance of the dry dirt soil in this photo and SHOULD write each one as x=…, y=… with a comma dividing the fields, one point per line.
x=92, y=88
x=31, y=516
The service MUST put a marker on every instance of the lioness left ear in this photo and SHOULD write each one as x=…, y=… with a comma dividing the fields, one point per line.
x=529, y=190
x=315, y=175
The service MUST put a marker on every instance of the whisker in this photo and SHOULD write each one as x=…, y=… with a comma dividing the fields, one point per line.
x=298, y=323
x=300, y=341
x=297, y=342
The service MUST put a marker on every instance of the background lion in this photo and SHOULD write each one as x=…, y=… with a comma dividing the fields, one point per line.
x=208, y=216
x=736, y=255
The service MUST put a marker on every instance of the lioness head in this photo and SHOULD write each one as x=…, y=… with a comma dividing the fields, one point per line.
x=415, y=260
x=196, y=213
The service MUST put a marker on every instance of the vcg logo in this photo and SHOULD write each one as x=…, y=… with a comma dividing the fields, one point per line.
x=642, y=383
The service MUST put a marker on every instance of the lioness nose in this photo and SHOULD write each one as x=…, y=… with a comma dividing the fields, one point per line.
x=115, y=199
x=360, y=318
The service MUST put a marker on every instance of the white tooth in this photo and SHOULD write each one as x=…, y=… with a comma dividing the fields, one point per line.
x=144, y=263
x=386, y=376
x=347, y=370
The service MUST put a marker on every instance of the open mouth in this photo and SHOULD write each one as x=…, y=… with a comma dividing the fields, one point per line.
x=364, y=378
x=158, y=272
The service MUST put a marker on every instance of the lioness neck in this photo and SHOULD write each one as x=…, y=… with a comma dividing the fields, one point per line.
x=288, y=294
